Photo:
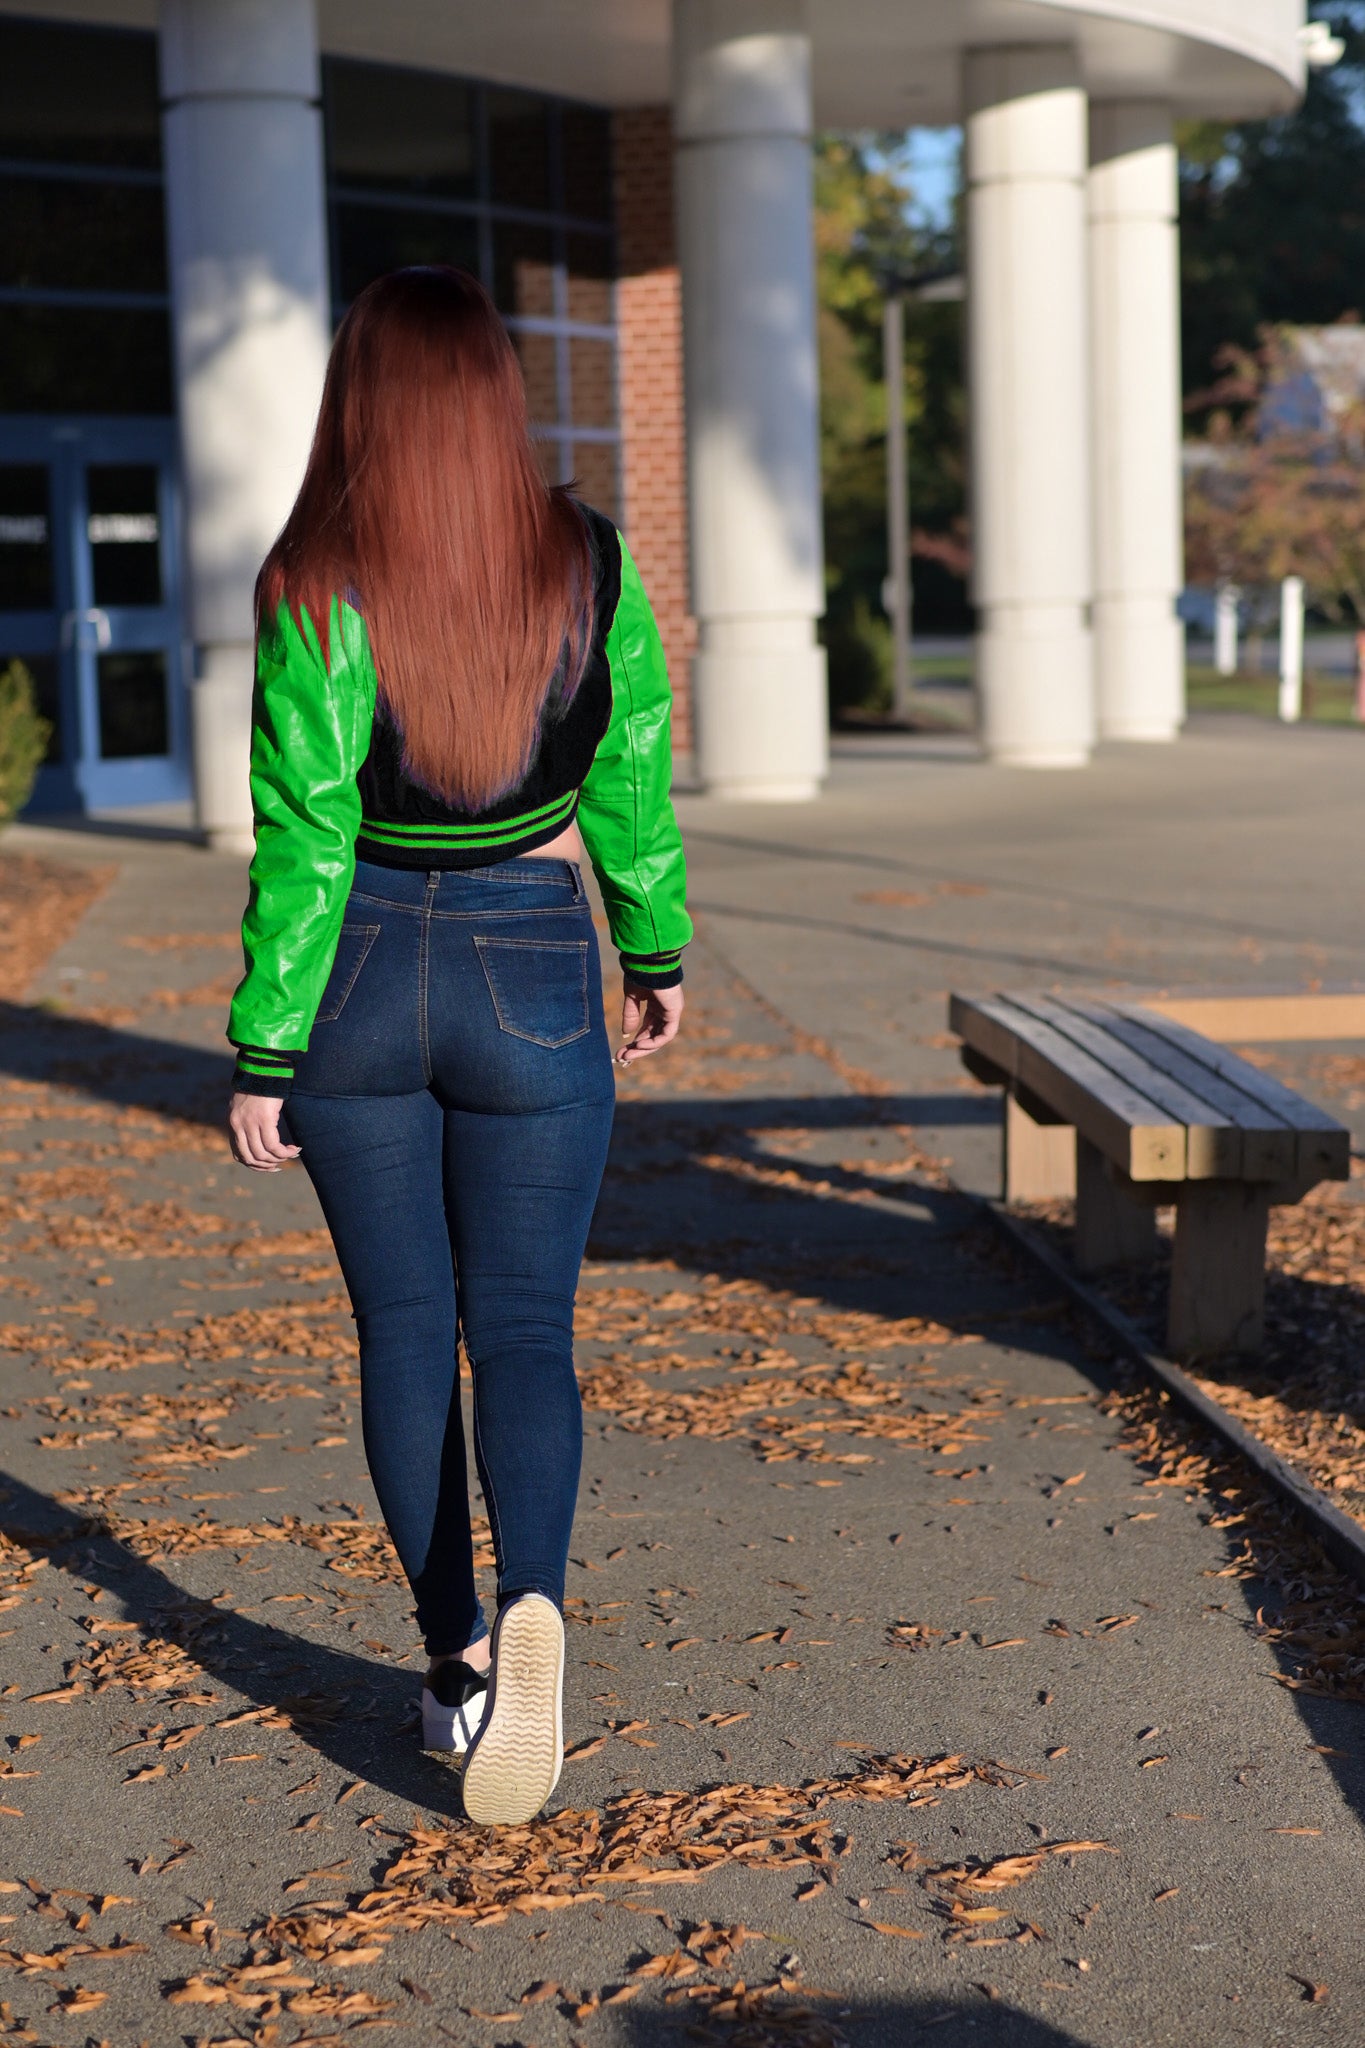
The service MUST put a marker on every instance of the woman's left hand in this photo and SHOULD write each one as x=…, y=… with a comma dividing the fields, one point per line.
x=649, y=1019
x=254, y=1132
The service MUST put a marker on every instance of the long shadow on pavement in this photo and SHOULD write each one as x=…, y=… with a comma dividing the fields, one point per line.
x=271, y=1667
x=858, y=1238
x=885, y=2022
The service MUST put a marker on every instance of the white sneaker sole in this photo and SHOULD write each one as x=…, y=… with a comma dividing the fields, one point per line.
x=516, y=1756
x=450, y=1729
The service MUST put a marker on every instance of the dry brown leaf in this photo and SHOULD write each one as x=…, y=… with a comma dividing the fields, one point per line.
x=890, y=1927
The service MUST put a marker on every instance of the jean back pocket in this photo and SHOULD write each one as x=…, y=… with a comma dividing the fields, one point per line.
x=539, y=987
x=353, y=947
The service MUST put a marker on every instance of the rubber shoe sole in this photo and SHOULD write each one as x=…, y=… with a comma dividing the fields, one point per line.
x=514, y=1761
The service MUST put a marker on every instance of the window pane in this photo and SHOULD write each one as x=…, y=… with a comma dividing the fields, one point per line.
x=133, y=711
x=523, y=270
x=537, y=353
x=592, y=382
x=84, y=359
x=595, y=466
x=374, y=239
x=82, y=237
x=78, y=95
x=587, y=162
x=519, y=148
x=25, y=539
x=124, y=528
x=590, y=279
x=400, y=130
x=46, y=696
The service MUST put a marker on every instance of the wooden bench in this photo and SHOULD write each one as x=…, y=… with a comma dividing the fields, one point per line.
x=1127, y=1111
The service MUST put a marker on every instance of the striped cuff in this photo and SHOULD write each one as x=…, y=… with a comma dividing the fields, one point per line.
x=262, y=1071
x=653, y=970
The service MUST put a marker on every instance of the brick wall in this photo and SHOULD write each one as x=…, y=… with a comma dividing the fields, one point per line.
x=650, y=386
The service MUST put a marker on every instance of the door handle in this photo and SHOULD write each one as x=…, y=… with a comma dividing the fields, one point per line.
x=93, y=616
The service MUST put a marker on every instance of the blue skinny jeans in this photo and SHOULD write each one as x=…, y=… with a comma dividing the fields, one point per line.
x=454, y=1109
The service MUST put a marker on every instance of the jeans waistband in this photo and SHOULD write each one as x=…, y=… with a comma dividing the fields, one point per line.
x=448, y=888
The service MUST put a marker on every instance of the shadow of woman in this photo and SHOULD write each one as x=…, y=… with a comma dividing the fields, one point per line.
x=349, y=1709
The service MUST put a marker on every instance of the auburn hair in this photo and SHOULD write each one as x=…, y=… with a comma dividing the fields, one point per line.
x=423, y=505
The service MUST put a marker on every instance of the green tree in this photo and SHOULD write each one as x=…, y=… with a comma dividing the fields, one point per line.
x=1272, y=213
x=24, y=737
x=863, y=233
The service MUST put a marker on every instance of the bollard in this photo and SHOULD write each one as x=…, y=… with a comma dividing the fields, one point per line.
x=1291, y=649
x=1225, y=629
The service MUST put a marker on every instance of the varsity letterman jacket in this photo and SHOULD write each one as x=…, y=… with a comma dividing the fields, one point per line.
x=329, y=787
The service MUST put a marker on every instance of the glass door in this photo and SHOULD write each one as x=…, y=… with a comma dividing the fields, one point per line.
x=92, y=607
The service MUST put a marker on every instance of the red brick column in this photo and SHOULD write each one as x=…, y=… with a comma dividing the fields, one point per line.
x=650, y=386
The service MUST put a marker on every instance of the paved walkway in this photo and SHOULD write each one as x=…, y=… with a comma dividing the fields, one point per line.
x=874, y=1608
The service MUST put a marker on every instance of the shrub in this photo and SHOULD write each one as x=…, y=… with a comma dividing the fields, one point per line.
x=24, y=735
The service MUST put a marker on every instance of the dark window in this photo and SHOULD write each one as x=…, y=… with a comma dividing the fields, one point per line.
x=82, y=207
x=401, y=131
x=80, y=234
x=373, y=239
x=25, y=539
x=519, y=149
x=132, y=702
x=123, y=523
x=79, y=95
x=587, y=162
x=84, y=359
x=424, y=168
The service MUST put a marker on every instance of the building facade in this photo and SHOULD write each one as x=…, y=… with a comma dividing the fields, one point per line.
x=193, y=191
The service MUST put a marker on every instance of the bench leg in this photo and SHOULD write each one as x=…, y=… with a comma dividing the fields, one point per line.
x=1218, y=1271
x=1040, y=1159
x=1113, y=1227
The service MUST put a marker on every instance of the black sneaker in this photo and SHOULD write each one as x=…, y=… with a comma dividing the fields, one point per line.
x=453, y=1698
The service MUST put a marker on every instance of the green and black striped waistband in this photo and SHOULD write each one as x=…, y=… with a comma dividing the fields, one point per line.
x=389, y=843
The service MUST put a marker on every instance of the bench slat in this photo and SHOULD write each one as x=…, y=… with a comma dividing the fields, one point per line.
x=1269, y=1144
x=1323, y=1146
x=1213, y=1142
x=1125, y=1124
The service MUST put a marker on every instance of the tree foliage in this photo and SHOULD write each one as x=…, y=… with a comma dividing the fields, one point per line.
x=863, y=233
x=1271, y=495
x=1272, y=213
x=24, y=736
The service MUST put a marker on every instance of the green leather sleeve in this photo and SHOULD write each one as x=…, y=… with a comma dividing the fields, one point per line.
x=311, y=725
x=625, y=811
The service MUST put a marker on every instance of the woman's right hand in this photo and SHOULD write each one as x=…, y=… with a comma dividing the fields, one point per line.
x=254, y=1132
x=649, y=1019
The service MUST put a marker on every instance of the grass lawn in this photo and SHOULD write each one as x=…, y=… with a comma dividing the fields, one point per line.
x=1329, y=700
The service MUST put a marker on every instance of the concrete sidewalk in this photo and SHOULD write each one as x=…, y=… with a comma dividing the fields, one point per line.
x=1027, y=1640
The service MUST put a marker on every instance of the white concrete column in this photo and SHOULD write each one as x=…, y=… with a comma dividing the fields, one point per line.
x=247, y=239
x=1135, y=371
x=742, y=117
x=1028, y=405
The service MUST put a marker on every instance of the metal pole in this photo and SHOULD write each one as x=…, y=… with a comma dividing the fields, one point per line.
x=1291, y=649
x=1225, y=629
x=897, y=593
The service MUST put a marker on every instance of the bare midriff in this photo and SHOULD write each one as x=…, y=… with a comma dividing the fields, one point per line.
x=568, y=846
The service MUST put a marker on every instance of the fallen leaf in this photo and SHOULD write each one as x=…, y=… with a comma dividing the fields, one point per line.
x=1313, y=1994
x=890, y=1927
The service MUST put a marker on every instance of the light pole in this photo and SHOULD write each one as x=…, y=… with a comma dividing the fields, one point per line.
x=896, y=590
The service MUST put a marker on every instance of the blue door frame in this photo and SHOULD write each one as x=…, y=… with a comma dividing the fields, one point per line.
x=112, y=751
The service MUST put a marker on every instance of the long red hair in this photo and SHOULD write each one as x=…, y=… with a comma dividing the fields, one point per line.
x=423, y=504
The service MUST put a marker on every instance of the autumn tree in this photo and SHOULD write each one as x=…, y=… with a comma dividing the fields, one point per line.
x=863, y=233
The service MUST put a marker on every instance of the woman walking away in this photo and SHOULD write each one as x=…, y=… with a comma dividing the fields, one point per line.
x=454, y=663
